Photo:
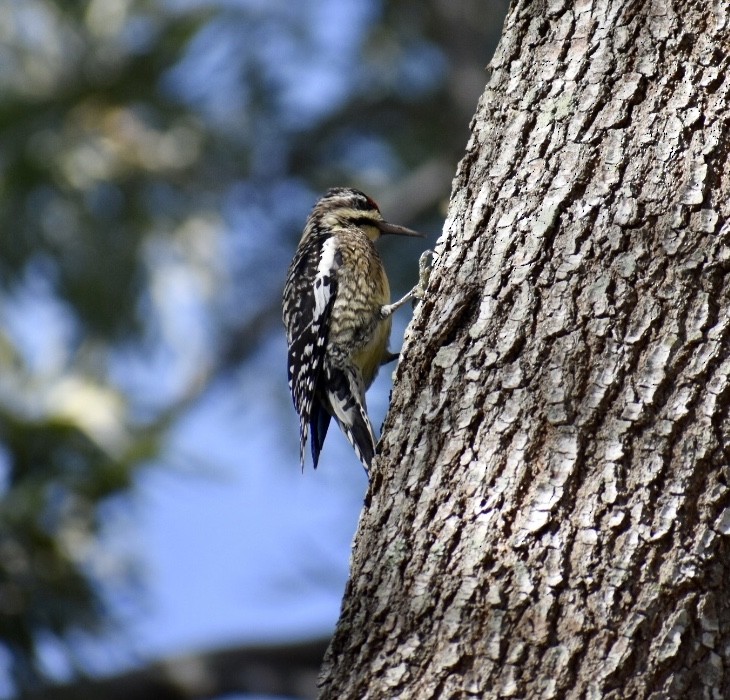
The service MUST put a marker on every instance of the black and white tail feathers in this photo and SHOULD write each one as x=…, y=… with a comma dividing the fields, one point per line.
x=346, y=397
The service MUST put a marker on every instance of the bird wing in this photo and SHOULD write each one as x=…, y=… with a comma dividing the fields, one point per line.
x=309, y=295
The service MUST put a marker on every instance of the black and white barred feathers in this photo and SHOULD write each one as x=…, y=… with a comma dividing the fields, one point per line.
x=338, y=317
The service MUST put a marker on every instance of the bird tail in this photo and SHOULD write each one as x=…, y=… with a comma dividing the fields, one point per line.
x=319, y=423
x=303, y=434
x=346, y=395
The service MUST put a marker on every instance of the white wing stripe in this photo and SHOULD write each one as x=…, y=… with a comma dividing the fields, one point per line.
x=323, y=278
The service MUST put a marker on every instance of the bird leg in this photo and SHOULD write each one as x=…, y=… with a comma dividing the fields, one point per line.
x=425, y=263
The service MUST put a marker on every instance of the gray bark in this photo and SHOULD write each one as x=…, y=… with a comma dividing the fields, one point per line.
x=550, y=513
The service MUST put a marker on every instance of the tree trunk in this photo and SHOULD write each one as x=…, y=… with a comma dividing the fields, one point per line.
x=549, y=516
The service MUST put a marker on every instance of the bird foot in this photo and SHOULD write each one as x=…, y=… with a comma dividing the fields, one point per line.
x=425, y=265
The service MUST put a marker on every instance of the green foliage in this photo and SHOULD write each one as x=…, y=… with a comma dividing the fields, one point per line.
x=88, y=140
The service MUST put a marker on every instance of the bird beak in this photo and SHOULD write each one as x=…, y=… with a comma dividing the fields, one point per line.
x=385, y=227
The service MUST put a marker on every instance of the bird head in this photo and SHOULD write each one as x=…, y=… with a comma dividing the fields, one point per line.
x=346, y=208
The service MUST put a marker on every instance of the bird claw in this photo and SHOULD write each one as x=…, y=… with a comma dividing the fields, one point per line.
x=419, y=291
x=425, y=265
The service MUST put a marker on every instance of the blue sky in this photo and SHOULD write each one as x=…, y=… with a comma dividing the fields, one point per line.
x=244, y=547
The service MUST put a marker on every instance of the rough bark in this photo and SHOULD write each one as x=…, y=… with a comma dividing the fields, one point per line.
x=550, y=513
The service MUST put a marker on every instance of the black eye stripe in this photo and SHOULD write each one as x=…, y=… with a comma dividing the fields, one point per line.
x=364, y=221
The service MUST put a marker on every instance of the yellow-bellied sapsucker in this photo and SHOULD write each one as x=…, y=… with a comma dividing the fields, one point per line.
x=338, y=316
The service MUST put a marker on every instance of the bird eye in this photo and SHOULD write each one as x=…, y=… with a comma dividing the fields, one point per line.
x=372, y=203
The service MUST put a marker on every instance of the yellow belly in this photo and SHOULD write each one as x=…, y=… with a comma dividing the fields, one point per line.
x=370, y=357
x=362, y=290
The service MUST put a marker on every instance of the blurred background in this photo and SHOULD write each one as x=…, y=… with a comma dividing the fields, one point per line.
x=157, y=162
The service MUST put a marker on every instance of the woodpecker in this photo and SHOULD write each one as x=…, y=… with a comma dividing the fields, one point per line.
x=338, y=317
